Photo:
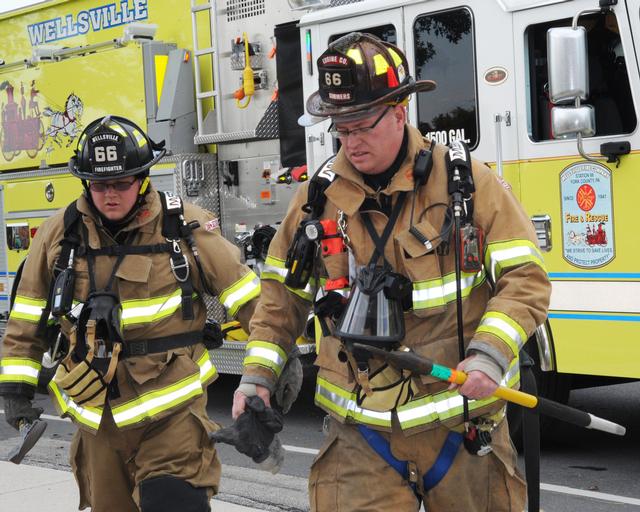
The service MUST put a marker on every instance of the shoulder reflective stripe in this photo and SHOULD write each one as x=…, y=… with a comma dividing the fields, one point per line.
x=240, y=292
x=438, y=292
x=343, y=403
x=89, y=416
x=306, y=293
x=505, y=328
x=19, y=370
x=502, y=255
x=27, y=309
x=266, y=354
x=154, y=402
x=150, y=310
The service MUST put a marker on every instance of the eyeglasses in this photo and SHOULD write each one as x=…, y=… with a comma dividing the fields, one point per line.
x=120, y=186
x=343, y=134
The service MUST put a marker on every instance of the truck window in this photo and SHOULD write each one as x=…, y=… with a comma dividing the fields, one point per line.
x=444, y=52
x=609, y=90
x=385, y=32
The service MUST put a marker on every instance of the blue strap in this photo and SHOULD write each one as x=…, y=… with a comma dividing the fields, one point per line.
x=443, y=462
x=383, y=448
x=432, y=477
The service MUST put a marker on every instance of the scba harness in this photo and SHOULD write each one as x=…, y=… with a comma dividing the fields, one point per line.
x=96, y=340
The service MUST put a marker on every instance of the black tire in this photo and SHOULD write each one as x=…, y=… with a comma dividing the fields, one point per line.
x=552, y=385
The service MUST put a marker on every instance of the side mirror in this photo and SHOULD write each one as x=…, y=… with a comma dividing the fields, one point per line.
x=568, y=68
x=567, y=122
x=18, y=238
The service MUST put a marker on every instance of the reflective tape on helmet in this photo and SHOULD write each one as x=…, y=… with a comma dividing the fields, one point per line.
x=88, y=416
x=343, y=403
x=380, y=64
x=503, y=255
x=240, y=292
x=19, y=370
x=117, y=128
x=267, y=354
x=140, y=138
x=144, y=311
x=28, y=309
x=356, y=55
x=505, y=328
x=151, y=404
x=440, y=291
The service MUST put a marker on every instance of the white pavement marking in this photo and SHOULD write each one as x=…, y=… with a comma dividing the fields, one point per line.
x=561, y=489
x=589, y=494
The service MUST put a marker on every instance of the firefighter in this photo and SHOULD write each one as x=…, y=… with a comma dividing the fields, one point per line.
x=395, y=440
x=129, y=299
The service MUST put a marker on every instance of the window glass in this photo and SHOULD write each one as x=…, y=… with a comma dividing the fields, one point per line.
x=609, y=90
x=444, y=52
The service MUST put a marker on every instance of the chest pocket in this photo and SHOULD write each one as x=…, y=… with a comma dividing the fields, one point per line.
x=133, y=277
x=421, y=264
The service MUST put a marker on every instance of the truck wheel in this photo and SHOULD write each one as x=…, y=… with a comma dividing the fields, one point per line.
x=552, y=385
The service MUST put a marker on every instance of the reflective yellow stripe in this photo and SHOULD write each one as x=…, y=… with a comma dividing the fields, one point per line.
x=380, y=64
x=275, y=270
x=18, y=370
x=89, y=416
x=448, y=404
x=240, y=292
x=355, y=54
x=140, y=139
x=154, y=402
x=502, y=255
x=505, y=328
x=343, y=403
x=397, y=60
x=267, y=354
x=25, y=308
x=142, y=311
x=117, y=128
x=440, y=291
x=421, y=411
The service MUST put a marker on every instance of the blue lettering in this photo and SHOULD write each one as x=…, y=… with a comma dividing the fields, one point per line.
x=115, y=17
x=140, y=7
x=61, y=31
x=96, y=18
x=127, y=16
x=50, y=31
x=72, y=28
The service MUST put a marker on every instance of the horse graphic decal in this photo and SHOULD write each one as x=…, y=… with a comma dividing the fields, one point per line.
x=65, y=124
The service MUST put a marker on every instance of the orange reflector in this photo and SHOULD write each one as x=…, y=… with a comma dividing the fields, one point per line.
x=187, y=56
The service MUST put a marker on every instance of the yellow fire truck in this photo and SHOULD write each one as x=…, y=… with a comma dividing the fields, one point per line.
x=568, y=154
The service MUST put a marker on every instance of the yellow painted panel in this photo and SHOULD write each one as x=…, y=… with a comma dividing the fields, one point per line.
x=45, y=108
x=597, y=347
x=27, y=195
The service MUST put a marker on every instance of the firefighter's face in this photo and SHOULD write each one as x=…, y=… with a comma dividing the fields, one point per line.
x=115, y=198
x=372, y=151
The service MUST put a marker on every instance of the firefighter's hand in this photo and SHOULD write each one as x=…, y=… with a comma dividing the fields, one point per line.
x=478, y=384
x=243, y=392
x=19, y=407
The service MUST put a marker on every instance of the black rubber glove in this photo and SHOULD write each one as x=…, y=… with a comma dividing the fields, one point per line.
x=18, y=407
x=253, y=430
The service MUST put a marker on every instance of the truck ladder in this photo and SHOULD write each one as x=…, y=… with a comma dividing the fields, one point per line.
x=210, y=8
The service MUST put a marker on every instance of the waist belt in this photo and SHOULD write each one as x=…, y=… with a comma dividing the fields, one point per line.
x=436, y=473
x=157, y=345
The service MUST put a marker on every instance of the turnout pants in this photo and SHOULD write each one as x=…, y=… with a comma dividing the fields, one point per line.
x=349, y=476
x=110, y=466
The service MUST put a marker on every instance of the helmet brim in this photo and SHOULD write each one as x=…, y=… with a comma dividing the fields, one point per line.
x=74, y=169
x=317, y=107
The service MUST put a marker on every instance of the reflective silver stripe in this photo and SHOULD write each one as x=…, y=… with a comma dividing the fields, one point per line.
x=25, y=308
x=87, y=416
x=157, y=401
x=147, y=311
x=267, y=354
x=19, y=370
x=347, y=407
x=519, y=252
x=234, y=299
x=512, y=335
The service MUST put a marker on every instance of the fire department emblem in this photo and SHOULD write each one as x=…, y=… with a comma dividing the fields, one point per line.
x=587, y=215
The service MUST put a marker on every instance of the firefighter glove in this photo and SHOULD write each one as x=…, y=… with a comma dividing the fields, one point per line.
x=19, y=407
x=253, y=431
x=290, y=382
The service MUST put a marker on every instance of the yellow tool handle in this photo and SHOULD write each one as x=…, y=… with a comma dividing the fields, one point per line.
x=508, y=394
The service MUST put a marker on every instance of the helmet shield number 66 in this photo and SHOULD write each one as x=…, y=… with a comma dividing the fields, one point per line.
x=107, y=153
